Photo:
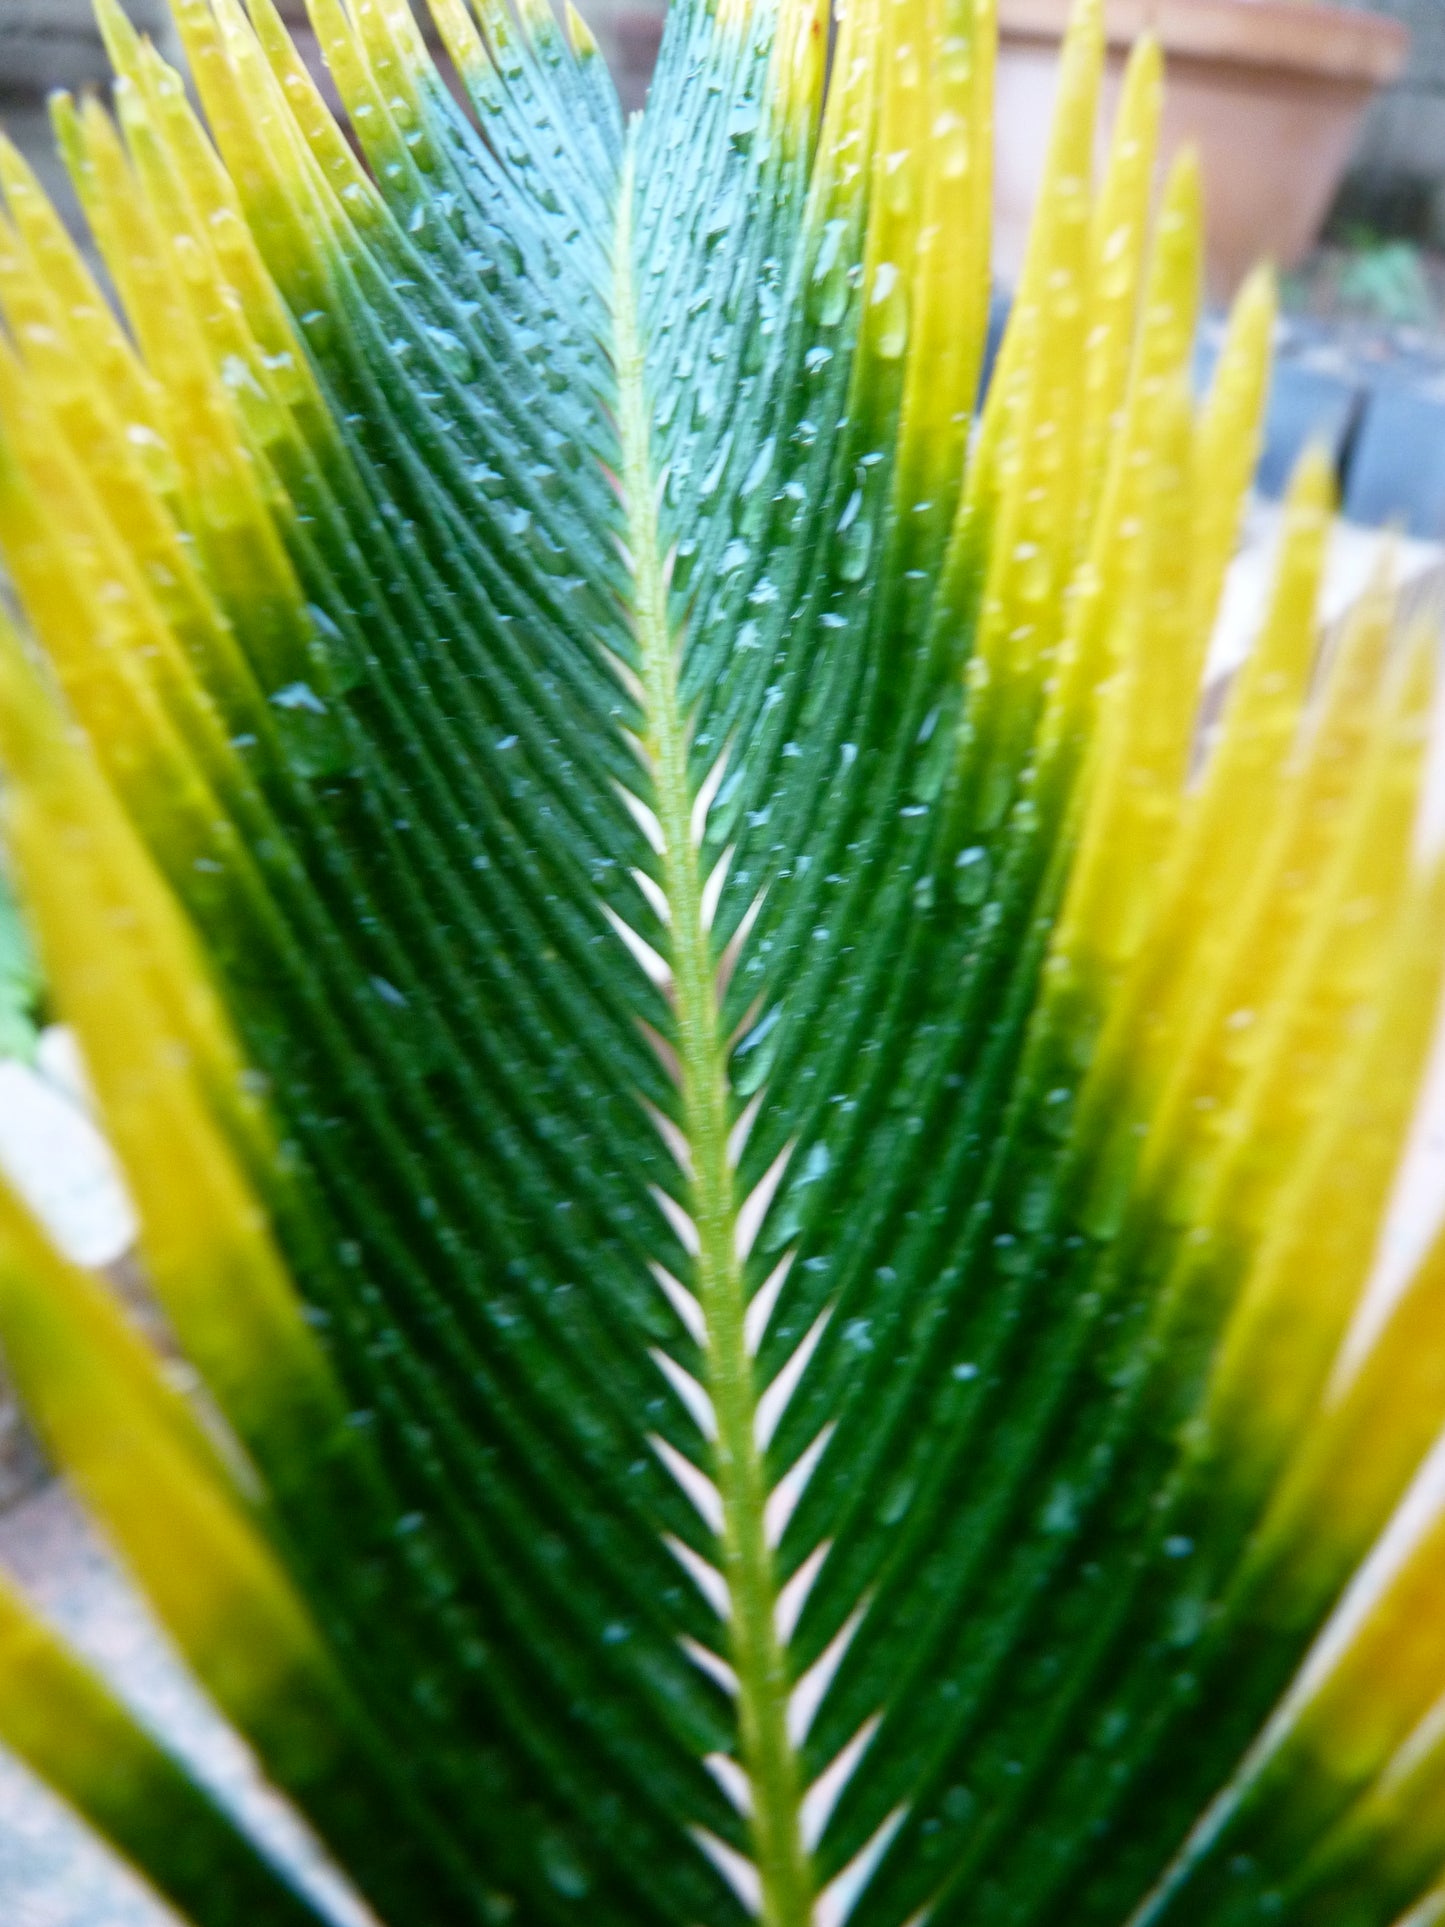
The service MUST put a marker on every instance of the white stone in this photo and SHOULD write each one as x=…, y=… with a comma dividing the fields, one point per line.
x=58, y=1162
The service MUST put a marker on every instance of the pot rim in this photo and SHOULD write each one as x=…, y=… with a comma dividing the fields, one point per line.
x=1312, y=37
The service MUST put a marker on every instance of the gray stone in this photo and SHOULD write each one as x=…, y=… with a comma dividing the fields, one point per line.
x=22, y=1469
x=54, y=43
x=1404, y=135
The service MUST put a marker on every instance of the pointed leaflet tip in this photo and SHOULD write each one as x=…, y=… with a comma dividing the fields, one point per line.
x=799, y=60
x=1313, y=489
x=1086, y=26
x=14, y=168
x=580, y=36
x=1258, y=296
x=947, y=265
x=1118, y=248
x=1183, y=200
x=1230, y=433
x=122, y=42
x=1063, y=199
x=1173, y=288
x=1144, y=73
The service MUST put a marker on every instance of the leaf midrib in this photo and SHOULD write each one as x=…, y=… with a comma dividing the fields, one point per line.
x=758, y=1659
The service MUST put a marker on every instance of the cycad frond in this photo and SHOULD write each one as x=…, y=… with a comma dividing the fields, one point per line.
x=765, y=1161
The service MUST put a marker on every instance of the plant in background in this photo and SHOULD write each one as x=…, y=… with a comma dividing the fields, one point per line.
x=21, y=991
x=765, y=1167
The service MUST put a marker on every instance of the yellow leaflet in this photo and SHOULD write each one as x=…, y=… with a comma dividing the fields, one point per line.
x=948, y=262
x=103, y=494
x=24, y=299
x=87, y=1318
x=117, y=658
x=732, y=15
x=349, y=61
x=82, y=393
x=1025, y=470
x=226, y=507
x=221, y=331
x=51, y=780
x=1262, y=712
x=1146, y=730
x=83, y=314
x=91, y=414
x=165, y=1068
x=1361, y=1449
x=96, y=166
x=1014, y=411
x=1066, y=182
x=1376, y=1676
x=118, y=475
x=839, y=188
x=66, y=1724
x=1299, y=1296
x=1229, y=437
x=174, y=1519
x=1229, y=1021
x=210, y=190
x=1279, y=1062
x=581, y=36
x=1091, y=648
x=1217, y=855
x=1121, y=760
x=1117, y=245
x=54, y=1714
x=400, y=74
x=1394, y=1835
x=58, y=1717
x=799, y=65
x=259, y=382
x=499, y=50
x=1329, y=996
x=1168, y=322
x=983, y=118
x=246, y=109
x=80, y=594
x=469, y=55
x=237, y=276
x=217, y=214
x=894, y=195
x=308, y=150
x=399, y=57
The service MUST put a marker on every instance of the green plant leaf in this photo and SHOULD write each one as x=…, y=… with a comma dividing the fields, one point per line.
x=20, y=985
x=766, y=1159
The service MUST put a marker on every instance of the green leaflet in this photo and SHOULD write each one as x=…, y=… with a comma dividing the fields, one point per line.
x=766, y=1161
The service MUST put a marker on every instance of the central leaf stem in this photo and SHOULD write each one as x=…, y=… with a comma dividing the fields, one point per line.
x=768, y=1755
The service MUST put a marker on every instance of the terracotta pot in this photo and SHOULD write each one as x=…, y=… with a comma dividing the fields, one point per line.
x=1272, y=93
